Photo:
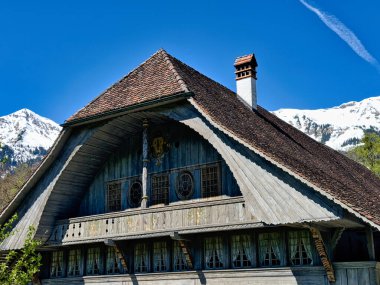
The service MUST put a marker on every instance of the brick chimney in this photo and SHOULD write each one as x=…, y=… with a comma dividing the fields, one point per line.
x=245, y=70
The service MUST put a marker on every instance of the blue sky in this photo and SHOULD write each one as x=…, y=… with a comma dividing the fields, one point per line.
x=55, y=56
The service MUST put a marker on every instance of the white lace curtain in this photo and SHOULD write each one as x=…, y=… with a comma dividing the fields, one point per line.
x=74, y=262
x=93, y=260
x=57, y=264
x=160, y=256
x=296, y=238
x=214, y=250
x=240, y=244
x=141, y=258
x=268, y=242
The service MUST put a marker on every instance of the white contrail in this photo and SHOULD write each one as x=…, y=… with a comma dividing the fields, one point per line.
x=344, y=33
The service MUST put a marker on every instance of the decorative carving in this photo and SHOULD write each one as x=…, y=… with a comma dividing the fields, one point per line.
x=159, y=146
x=185, y=185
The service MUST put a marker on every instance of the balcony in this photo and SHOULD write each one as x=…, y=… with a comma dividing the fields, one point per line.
x=211, y=214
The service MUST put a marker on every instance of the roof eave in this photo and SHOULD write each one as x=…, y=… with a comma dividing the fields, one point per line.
x=133, y=108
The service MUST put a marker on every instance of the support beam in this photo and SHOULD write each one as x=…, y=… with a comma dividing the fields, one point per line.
x=321, y=249
x=185, y=249
x=336, y=237
x=144, y=201
x=370, y=244
x=119, y=253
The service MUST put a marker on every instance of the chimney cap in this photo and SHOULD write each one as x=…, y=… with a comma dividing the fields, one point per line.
x=250, y=58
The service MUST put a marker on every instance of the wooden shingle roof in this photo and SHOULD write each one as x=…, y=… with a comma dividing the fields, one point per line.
x=336, y=176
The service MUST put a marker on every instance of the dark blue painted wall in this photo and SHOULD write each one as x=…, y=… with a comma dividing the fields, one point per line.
x=186, y=151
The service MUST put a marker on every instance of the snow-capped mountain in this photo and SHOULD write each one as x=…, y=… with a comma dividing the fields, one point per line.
x=26, y=136
x=339, y=127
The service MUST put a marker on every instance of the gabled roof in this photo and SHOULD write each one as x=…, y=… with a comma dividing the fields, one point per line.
x=337, y=177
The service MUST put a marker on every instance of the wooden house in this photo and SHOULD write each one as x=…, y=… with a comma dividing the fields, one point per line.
x=170, y=178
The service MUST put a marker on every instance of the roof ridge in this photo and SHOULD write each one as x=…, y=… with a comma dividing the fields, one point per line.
x=171, y=66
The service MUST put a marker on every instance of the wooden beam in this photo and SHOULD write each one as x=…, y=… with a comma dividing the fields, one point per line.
x=119, y=253
x=186, y=252
x=370, y=244
x=321, y=249
x=184, y=247
x=336, y=237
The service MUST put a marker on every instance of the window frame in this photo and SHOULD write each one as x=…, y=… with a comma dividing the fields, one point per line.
x=146, y=249
x=57, y=255
x=205, y=192
x=160, y=189
x=223, y=260
x=281, y=247
x=79, y=255
x=91, y=272
x=119, y=190
x=252, y=252
x=300, y=246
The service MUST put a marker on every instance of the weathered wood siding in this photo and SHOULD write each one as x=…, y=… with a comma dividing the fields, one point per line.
x=348, y=273
x=187, y=151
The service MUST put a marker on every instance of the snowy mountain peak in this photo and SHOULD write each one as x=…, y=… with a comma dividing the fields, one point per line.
x=339, y=127
x=26, y=136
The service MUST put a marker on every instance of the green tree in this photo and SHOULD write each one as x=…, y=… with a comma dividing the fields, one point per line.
x=21, y=266
x=368, y=153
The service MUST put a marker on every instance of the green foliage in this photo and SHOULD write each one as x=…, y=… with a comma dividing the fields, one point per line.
x=368, y=153
x=20, y=266
x=12, y=183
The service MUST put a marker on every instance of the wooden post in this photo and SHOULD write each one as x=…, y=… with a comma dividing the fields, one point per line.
x=370, y=244
x=144, y=201
x=321, y=249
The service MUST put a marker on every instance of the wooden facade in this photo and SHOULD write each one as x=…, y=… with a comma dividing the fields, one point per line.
x=163, y=194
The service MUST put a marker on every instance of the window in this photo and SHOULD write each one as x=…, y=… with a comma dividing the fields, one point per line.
x=210, y=181
x=214, y=253
x=113, y=262
x=270, y=249
x=300, y=249
x=160, y=189
x=57, y=263
x=135, y=194
x=185, y=185
x=160, y=256
x=114, y=196
x=179, y=259
x=75, y=263
x=141, y=258
x=94, y=261
x=242, y=251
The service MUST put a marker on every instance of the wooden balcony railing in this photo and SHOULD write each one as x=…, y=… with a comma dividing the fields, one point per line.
x=212, y=214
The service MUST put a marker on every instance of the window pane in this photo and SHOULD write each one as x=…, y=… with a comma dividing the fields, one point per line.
x=210, y=181
x=214, y=253
x=300, y=248
x=75, y=263
x=141, y=258
x=94, y=261
x=57, y=263
x=114, y=196
x=160, y=257
x=270, y=249
x=160, y=189
x=241, y=251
